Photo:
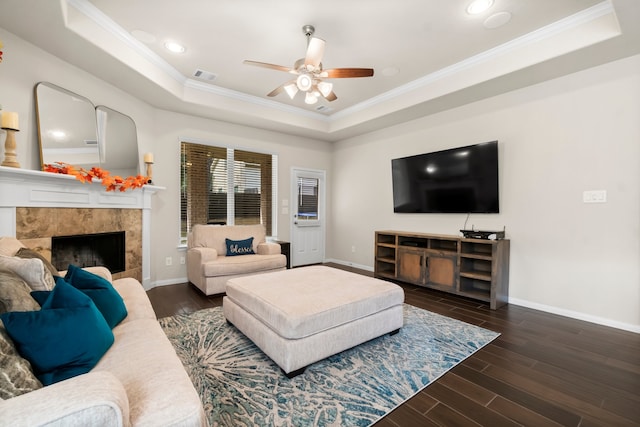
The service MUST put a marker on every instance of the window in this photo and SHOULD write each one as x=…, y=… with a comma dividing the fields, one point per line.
x=221, y=185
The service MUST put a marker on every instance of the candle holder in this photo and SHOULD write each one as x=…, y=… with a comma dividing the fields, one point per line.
x=149, y=171
x=10, y=158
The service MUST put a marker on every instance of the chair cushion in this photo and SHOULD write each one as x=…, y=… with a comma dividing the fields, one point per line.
x=230, y=265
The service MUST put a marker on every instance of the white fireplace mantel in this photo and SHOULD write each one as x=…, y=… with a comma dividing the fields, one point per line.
x=29, y=188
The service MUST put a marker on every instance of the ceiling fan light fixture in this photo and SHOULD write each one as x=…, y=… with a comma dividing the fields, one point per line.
x=310, y=98
x=304, y=82
x=325, y=88
x=291, y=90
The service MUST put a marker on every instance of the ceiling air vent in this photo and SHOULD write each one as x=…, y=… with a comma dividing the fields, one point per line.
x=204, y=75
x=323, y=109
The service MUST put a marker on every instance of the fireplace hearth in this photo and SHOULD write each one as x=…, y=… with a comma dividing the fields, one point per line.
x=89, y=250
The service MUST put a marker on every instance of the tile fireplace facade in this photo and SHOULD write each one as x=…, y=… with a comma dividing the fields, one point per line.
x=36, y=226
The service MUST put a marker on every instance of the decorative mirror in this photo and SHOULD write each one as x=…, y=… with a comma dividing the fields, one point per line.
x=118, y=142
x=66, y=127
x=71, y=130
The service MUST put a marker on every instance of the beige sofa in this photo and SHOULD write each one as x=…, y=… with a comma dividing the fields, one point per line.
x=139, y=381
x=208, y=266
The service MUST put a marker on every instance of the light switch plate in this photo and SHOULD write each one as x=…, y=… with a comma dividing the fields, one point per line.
x=594, y=196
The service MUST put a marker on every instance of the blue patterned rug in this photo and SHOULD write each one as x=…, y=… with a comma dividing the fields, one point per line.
x=240, y=386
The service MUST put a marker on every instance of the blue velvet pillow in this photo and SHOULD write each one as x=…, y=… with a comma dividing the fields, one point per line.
x=101, y=291
x=67, y=337
x=239, y=247
x=104, y=296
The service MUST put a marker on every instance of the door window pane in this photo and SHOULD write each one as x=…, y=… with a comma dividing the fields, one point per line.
x=307, y=199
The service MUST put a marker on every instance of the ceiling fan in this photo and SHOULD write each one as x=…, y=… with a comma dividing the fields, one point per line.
x=310, y=72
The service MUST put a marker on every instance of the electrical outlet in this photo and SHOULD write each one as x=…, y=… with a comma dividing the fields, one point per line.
x=182, y=260
x=168, y=261
x=353, y=248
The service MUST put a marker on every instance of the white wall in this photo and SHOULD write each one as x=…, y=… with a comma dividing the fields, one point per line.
x=556, y=139
x=580, y=132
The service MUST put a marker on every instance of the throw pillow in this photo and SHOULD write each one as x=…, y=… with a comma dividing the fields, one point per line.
x=30, y=253
x=14, y=293
x=17, y=376
x=32, y=271
x=239, y=247
x=67, y=337
x=101, y=291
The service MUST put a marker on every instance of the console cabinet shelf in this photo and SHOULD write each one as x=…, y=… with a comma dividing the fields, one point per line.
x=472, y=268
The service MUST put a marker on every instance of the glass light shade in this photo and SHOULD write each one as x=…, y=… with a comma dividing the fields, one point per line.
x=325, y=88
x=310, y=98
x=291, y=90
x=304, y=82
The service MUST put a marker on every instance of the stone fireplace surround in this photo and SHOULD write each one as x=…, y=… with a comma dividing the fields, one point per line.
x=35, y=205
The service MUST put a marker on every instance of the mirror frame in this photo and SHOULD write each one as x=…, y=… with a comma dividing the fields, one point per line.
x=61, y=125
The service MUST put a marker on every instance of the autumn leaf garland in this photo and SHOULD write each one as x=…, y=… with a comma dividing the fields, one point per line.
x=111, y=183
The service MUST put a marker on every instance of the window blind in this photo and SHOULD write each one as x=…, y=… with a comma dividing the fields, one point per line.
x=220, y=185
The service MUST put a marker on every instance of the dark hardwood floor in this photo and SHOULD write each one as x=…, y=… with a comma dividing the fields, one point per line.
x=543, y=370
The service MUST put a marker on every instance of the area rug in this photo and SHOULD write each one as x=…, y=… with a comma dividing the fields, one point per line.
x=240, y=386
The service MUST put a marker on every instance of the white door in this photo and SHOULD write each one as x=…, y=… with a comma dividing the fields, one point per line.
x=308, y=221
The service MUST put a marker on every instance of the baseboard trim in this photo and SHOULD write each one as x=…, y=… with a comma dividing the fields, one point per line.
x=349, y=264
x=540, y=307
x=166, y=282
x=576, y=315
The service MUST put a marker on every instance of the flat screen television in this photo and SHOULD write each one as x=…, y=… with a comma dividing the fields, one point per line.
x=458, y=180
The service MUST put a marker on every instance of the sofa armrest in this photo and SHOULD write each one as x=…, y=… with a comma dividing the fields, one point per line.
x=269, y=248
x=100, y=271
x=95, y=398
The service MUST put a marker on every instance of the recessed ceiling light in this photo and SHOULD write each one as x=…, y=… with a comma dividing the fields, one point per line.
x=479, y=6
x=174, y=47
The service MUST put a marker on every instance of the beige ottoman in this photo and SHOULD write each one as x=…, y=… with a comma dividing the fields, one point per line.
x=300, y=316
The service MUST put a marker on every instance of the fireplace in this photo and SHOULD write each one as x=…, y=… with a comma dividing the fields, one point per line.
x=89, y=250
x=36, y=205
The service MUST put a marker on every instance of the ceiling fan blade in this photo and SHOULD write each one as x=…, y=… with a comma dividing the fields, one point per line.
x=343, y=73
x=277, y=90
x=315, y=50
x=331, y=97
x=270, y=66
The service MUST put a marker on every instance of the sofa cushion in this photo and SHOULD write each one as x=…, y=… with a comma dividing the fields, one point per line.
x=9, y=246
x=30, y=253
x=31, y=271
x=67, y=337
x=226, y=266
x=239, y=247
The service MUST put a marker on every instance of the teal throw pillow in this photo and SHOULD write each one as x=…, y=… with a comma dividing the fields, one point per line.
x=239, y=247
x=66, y=338
x=101, y=291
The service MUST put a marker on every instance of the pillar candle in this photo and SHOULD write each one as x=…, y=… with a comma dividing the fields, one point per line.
x=9, y=120
x=148, y=158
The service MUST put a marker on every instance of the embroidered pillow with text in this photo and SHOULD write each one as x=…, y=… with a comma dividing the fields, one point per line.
x=239, y=247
